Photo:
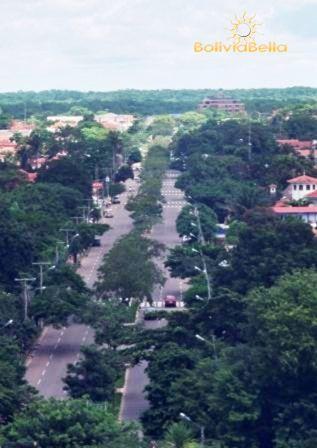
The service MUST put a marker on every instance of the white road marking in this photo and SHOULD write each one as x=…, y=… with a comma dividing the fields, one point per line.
x=44, y=372
x=47, y=364
x=51, y=355
x=39, y=381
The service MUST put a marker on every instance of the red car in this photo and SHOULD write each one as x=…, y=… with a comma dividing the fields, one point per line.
x=170, y=302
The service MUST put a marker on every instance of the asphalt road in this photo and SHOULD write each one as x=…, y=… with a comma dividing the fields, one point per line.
x=134, y=402
x=56, y=348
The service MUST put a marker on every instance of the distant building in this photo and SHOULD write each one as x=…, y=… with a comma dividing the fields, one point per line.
x=223, y=104
x=300, y=188
x=115, y=122
x=304, y=148
x=61, y=121
x=22, y=127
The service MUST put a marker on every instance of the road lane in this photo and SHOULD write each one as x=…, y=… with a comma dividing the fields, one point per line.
x=56, y=348
x=133, y=402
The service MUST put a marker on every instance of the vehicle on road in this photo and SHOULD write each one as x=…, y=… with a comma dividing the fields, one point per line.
x=115, y=200
x=96, y=242
x=170, y=301
x=108, y=213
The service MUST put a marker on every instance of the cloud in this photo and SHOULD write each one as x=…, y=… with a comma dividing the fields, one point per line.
x=102, y=45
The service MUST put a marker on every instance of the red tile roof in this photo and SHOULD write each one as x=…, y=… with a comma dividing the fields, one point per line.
x=304, y=152
x=303, y=180
x=312, y=195
x=296, y=144
x=294, y=210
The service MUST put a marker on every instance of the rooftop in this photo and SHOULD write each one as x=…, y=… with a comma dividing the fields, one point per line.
x=304, y=179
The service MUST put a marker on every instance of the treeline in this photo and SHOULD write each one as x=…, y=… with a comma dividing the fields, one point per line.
x=241, y=363
x=146, y=102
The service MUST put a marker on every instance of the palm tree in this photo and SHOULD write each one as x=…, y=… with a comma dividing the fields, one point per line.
x=178, y=436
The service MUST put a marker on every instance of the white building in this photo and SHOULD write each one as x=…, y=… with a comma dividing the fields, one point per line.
x=302, y=186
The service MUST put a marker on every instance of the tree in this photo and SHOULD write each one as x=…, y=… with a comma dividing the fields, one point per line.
x=125, y=172
x=68, y=173
x=266, y=251
x=128, y=270
x=95, y=374
x=187, y=222
x=14, y=392
x=135, y=156
x=178, y=435
x=108, y=319
x=66, y=424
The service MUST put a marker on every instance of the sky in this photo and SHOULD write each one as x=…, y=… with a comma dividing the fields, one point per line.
x=105, y=45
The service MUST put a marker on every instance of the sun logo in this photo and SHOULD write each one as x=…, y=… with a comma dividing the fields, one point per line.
x=244, y=28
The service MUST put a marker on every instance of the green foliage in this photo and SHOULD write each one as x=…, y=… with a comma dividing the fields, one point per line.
x=135, y=156
x=125, y=172
x=178, y=435
x=68, y=424
x=67, y=173
x=146, y=207
x=266, y=251
x=148, y=102
x=128, y=270
x=108, y=319
x=14, y=392
x=208, y=221
x=95, y=374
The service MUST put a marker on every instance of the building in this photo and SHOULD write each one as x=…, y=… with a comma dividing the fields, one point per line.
x=109, y=121
x=61, y=121
x=302, y=188
x=304, y=148
x=222, y=104
x=115, y=122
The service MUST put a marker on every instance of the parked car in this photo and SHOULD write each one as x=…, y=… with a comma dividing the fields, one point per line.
x=108, y=213
x=96, y=242
x=115, y=200
x=170, y=301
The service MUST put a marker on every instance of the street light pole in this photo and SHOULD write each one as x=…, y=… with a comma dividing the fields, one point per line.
x=41, y=264
x=24, y=282
x=67, y=232
x=213, y=343
x=201, y=427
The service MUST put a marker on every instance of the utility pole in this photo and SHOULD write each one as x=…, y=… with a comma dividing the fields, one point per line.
x=25, y=286
x=67, y=232
x=57, y=251
x=249, y=142
x=41, y=264
x=200, y=230
x=202, y=242
x=85, y=209
x=76, y=219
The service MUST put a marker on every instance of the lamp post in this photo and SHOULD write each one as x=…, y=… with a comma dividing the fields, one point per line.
x=7, y=324
x=41, y=264
x=213, y=343
x=201, y=428
x=25, y=281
